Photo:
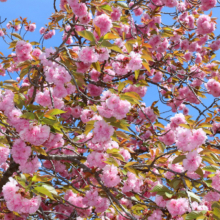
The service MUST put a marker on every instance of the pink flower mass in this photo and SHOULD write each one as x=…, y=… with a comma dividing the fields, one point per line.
x=16, y=202
x=103, y=22
x=109, y=110
x=36, y=135
x=177, y=206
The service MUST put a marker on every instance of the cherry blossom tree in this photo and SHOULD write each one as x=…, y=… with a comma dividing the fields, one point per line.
x=77, y=137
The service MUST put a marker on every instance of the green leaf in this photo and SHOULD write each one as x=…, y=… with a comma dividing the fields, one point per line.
x=24, y=72
x=89, y=126
x=23, y=177
x=209, y=160
x=10, y=87
x=110, y=36
x=215, y=157
x=195, y=215
x=114, y=138
x=208, y=182
x=17, y=35
x=3, y=140
x=28, y=115
x=39, y=149
x=129, y=164
x=87, y=35
x=207, y=131
x=97, y=66
x=50, y=189
x=10, y=81
x=55, y=124
x=129, y=47
x=167, y=34
x=115, y=25
x=37, y=178
x=132, y=97
x=146, y=65
x=46, y=190
x=161, y=146
x=199, y=171
x=122, y=135
x=179, y=159
x=169, y=195
x=21, y=180
x=203, y=125
x=147, y=57
x=53, y=112
x=79, y=79
x=132, y=170
x=210, y=168
x=34, y=43
x=129, y=98
x=175, y=183
x=216, y=212
x=106, y=7
x=138, y=207
x=42, y=190
x=116, y=48
x=112, y=161
x=185, y=126
x=19, y=100
x=123, y=5
x=116, y=154
x=121, y=86
x=34, y=107
x=160, y=188
x=112, y=151
x=122, y=124
x=107, y=44
x=194, y=197
x=13, y=44
x=136, y=73
x=216, y=205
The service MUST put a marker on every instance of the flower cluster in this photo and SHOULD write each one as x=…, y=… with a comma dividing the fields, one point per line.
x=23, y=50
x=15, y=200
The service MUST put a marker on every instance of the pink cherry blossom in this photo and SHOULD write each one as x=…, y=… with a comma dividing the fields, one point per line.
x=177, y=206
x=157, y=215
x=208, y=4
x=1, y=33
x=20, y=151
x=170, y=4
x=205, y=25
x=35, y=135
x=88, y=55
x=103, y=22
x=4, y=153
x=192, y=161
x=109, y=176
x=116, y=14
x=102, y=132
x=136, y=62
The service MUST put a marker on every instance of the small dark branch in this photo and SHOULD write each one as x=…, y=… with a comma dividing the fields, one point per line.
x=9, y=172
x=187, y=192
x=54, y=5
x=1, y=22
x=44, y=215
x=74, y=159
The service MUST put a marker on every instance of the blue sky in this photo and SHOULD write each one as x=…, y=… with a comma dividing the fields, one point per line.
x=39, y=11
